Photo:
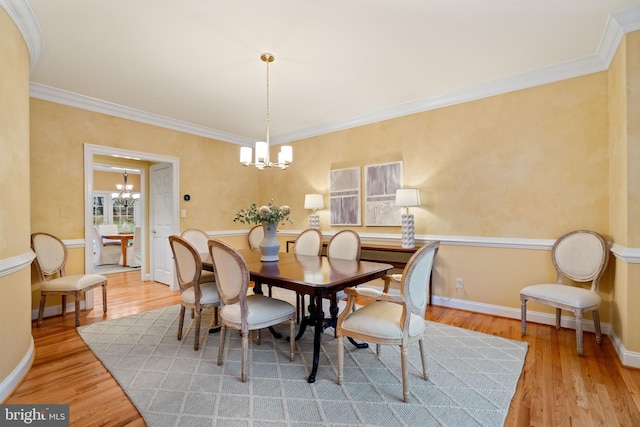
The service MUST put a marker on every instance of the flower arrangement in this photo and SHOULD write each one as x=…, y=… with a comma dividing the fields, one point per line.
x=270, y=214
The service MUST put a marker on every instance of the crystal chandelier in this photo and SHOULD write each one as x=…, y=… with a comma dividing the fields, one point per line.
x=285, y=156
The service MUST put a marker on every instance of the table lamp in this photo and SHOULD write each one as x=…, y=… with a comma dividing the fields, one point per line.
x=314, y=201
x=406, y=197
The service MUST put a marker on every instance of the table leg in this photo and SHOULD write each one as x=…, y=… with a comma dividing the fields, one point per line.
x=124, y=243
x=318, y=317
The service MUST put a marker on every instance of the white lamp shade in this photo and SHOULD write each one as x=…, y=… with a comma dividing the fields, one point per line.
x=245, y=155
x=406, y=197
x=286, y=154
x=313, y=201
x=262, y=152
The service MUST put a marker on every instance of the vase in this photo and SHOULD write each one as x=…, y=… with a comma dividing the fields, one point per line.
x=270, y=246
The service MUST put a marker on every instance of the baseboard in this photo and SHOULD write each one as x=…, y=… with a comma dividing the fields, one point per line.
x=11, y=382
x=54, y=310
x=627, y=358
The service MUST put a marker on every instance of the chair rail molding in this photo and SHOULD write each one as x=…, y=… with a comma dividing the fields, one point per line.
x=16, y=263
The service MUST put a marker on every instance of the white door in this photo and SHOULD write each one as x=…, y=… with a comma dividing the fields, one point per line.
x=162, y=223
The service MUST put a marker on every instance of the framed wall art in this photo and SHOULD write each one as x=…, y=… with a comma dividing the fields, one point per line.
x=380, y=184
x=344, y=196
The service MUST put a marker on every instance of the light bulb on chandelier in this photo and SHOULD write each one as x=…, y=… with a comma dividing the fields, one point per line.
x=285, y=156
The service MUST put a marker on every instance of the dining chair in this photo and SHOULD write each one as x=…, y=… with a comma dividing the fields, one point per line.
x=255, y=236
x=198, y=239
x=193, y=294
x=108, y=229
x=105, y=254
x=582, y=257
x=391, y=319
x=241, y=311
x=344, y=244
x=50, y=261
x=308, y=242
x=134, y=254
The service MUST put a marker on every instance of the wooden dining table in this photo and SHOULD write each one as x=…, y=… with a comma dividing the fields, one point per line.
x=124, y=242
x=316, y=276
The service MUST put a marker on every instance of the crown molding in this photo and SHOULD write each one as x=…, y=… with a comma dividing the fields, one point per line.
x=617, y=25
x=23, y=17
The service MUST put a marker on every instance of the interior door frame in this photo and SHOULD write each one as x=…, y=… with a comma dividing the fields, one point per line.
x=90, y=151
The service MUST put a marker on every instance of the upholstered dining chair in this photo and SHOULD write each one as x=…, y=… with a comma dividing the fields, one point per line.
x=198, y=239
x=134, y=254
x=581, y=256
x=344, y=244
x=109, y=229
x=308, y=242
x=193, y=294
x=392, y=319
x=255, y=236
x=241, y=311
x=105, y=254
x=51, y=257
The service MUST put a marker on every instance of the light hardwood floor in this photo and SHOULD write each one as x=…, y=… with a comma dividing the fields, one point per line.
x=557, y=388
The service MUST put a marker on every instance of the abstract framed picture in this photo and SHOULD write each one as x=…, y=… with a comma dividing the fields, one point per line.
x=380, y=184
x=344, y=196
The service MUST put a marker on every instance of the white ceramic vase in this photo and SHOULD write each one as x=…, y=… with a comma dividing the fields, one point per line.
x=270, y=246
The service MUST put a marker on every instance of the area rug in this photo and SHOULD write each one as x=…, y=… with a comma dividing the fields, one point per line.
x=472, y=377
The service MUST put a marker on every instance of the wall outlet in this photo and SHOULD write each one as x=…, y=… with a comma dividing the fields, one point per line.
x=459, y=284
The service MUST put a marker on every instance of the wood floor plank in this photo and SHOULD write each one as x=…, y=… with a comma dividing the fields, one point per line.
x=556, y=388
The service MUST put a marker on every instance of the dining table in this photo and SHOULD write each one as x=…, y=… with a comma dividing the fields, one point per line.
x=316, y=276
x=124, y=242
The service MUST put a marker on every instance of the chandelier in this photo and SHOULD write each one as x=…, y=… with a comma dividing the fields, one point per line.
x=285, y=156
x=125, y=197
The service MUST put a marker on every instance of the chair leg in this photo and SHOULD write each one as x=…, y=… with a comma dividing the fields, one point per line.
x=596, y=322
x=558, y=317
x=423, y=356
x=523, y=315
x=181, y=322
x=64, y=305
x=405, y=377
x=196, y=333
x=245, y=354
x=43, y=298
x=104, y=298
x=223, y=333
x=77, y=304
x=292, y=340
x=579, y=331
x=340, y=356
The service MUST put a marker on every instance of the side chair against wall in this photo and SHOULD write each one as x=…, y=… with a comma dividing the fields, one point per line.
x=51, y=257
x=105, y=254
x=241, y=311
x=392, y=319
x=581, y=256
x=255, y=236
x=308, y=242
x=198, y=239
x=193, y=295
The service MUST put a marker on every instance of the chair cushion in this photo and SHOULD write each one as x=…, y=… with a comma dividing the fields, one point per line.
x=572, y=296
x=73, y=282
x=209, y=295
x=381, y=319
x=261, y=309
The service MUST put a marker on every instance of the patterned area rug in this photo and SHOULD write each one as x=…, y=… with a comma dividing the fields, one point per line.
x=472, y=377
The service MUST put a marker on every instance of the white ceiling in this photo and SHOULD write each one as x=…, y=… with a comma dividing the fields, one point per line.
x=338, y=63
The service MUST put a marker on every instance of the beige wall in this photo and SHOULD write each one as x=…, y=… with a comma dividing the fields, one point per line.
x=15, y=289
x=624, y=137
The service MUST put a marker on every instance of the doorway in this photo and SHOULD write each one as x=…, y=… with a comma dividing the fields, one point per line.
x=171, y=214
